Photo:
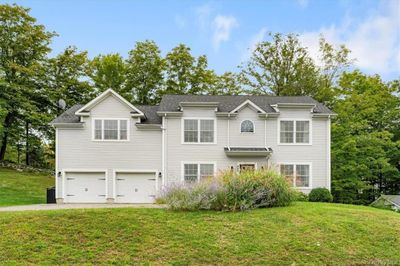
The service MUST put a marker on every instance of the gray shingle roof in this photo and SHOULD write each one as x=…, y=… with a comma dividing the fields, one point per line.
x=170, y=103
x=150, y=111
x=393, y=198
x=69, y=115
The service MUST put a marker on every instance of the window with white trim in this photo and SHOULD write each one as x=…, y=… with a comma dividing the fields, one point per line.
x=247, y=126
x=198, y=130
x=299, y=174
x=195, y=172
x=110, y=129
x=295, y=131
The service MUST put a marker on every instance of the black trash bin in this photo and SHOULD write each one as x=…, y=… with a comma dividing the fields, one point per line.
x=51, y=195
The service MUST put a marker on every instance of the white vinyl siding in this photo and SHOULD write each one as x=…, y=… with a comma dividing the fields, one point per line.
x=195, y=172
x=110, y=129
x=294, y=132
x=299, y=174
x=199, y=131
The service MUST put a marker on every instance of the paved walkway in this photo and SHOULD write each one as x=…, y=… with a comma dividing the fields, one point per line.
x=43, y=207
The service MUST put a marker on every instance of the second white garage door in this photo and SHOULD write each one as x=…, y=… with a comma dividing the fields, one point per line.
x=135, y=187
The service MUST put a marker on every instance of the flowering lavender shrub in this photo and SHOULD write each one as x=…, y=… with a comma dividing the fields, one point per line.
x=231, y=192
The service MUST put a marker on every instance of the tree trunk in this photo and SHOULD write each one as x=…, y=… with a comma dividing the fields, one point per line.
x=27, y=143
x=6, y=128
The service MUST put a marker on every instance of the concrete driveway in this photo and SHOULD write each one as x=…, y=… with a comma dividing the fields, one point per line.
x=44, y=207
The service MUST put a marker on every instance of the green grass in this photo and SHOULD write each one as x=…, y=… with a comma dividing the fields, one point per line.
x=304, y=233
x=19, y=188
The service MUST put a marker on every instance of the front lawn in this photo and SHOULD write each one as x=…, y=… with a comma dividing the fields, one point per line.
x=19, y=188
x=305, y=233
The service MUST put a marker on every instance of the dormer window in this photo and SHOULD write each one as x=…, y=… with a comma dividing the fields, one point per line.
x=247, y=126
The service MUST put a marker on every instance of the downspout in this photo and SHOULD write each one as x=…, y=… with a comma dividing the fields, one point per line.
x=265, y=138
x=56, y=163
x=229, y=145
x=328, y=152
x=163, y=128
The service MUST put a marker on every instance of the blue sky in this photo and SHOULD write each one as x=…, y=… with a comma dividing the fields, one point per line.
x=226, y=30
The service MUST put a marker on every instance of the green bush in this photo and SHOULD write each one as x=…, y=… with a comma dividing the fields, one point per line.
x=231, y=192
x=300, y=196
x=320, y=195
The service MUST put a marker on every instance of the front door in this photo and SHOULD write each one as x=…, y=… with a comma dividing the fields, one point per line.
x=247, y=166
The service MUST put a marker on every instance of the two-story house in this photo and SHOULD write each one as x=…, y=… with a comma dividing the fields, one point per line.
x=109, y=150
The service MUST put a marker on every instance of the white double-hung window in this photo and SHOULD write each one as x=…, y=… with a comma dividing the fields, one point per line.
x=195, y=172
x=298, y=174
x=294, y=132
x=110, y=129
x=198, y=130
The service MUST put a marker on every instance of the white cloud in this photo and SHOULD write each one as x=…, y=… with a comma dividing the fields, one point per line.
x=257, y=38
x=180, y=21
x=302, y=3
x=203, y=14
x=374, y=41
x=223, y=26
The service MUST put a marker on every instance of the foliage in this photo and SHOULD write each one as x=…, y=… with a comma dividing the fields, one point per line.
x=304, y=233
x=67, y=74
x=145, y=68
x=109, y=71
x=282, y=66
x=23, y=48
x=320, y=195
x=365, y=153
x=231, y=192
x=300, y=196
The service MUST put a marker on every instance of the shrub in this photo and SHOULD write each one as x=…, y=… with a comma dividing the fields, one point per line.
x=300, y=196
x=189, y=197
x=320, y=195
x=231, y=192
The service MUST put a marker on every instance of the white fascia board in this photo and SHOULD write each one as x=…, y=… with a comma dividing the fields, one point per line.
x=248, y=102
x=68, y=125
x=103, y=95
x=198, y=104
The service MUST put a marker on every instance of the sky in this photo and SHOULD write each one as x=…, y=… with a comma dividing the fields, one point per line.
x=226, y=31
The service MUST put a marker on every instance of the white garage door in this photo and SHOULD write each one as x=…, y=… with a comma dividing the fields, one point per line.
x=135, y=187
x=85, y=187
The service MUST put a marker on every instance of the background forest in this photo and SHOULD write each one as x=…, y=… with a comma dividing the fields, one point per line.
x=365, y=133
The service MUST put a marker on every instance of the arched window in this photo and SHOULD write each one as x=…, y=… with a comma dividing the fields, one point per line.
x=247, y=126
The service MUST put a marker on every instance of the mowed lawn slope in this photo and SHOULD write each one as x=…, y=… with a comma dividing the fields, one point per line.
x=19, y=188
x=305, y=233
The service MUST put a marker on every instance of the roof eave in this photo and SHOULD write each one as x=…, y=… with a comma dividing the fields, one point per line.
x=231, y=153
x=148, y=126
x=170, y=114
x=68, y=125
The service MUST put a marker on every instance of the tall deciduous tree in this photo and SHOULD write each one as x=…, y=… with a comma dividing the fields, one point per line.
x=144, y=78
x=226, y=84
x=67, y=77
x=179, y=70
x=365, y=154
x=283, y=67
x=280, y=67
x=23, y=48
x=108, y=71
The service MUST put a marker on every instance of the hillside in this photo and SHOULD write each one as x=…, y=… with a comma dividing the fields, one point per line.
x=18, y=188
x=312, y=233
